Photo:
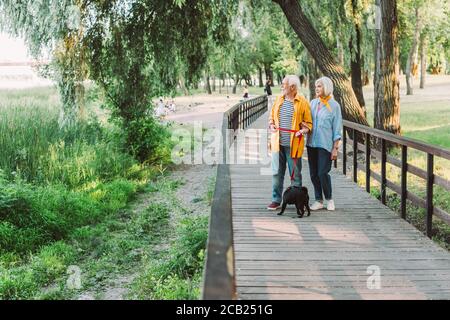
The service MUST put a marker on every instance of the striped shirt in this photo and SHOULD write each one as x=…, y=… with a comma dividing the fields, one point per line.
x=286, y=114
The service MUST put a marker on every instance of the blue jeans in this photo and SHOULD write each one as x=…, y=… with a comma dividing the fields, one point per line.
x=319, y=161
x=279, y=160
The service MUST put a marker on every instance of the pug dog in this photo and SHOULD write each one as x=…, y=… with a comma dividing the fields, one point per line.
x=299, y=197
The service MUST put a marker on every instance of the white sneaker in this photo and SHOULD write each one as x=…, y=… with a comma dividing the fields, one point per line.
x=316, y=206
x=330, y=205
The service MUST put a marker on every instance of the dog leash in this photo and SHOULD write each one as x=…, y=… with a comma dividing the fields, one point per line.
x=299, y=141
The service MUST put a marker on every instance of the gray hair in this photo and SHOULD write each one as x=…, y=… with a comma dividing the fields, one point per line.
x=293, y=80
x=327, y=85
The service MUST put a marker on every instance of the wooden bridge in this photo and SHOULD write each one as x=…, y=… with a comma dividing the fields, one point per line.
x=363, y=250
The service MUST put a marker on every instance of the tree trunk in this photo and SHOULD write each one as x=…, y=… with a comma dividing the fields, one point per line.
x=236, y=81
x=423, y=60
x=207, y=84
x=269, y=73
x=214, y=83
x=411, y=65
x=340, y=49
x=248, y=80
x=260, y=77
x=81, y=101
x=279, y=78
x=356, y=62
x=183, y=85
x=366, y=80
x=351, y=110
x=386, y=78
x=313, y=75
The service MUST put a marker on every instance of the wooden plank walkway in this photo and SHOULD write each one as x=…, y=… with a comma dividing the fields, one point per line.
x=327, y=255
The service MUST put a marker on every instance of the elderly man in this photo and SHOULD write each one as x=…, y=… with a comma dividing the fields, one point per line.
x=289, y=119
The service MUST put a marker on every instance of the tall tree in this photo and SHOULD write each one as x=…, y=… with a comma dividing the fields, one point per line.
x=133, y=49
x=55, y=27
x=313, y=75
x=411, y=64
x=325, y=61
x=386, y=78
x=423, y=60
x=356, y=56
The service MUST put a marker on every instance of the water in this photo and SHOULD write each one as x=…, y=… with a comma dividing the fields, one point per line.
x=21, y=77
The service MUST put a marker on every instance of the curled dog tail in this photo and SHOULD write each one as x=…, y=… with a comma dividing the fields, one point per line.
x=305, y=190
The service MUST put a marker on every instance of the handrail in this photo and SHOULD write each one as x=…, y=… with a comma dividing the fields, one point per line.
x=408, y=142
x=219, y=281
x=402, y=190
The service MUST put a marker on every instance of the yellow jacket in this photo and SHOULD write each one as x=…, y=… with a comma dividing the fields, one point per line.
x=302, y=113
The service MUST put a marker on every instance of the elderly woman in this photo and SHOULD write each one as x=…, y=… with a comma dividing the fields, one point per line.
x=323, y=142
x=289, y=119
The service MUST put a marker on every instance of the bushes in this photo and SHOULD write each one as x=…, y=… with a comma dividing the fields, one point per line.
x=33, y=216
x=149, y=141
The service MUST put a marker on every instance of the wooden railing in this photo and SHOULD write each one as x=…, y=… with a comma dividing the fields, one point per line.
x=219, y=277
x=369, y=135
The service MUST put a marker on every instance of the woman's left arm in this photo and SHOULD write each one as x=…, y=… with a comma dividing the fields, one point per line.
x=337, y=127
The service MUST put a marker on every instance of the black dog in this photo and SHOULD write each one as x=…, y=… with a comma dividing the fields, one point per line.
x=297, y=196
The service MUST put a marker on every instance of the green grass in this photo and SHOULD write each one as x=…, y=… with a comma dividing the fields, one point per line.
x=176, y=273
x=62, y=195
x=429, y=122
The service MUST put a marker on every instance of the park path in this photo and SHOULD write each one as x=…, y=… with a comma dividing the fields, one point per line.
x=329, y=255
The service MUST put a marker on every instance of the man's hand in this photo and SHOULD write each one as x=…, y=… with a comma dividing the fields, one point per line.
x=334, y=154
x=273, y=129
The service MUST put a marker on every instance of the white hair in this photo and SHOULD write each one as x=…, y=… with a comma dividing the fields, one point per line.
x=293, y=80
x=327, y=85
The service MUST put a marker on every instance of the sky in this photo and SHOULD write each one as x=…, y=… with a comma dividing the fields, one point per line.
x=12, y=49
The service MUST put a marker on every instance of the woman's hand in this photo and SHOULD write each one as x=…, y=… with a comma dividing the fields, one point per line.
x=334, y=154
x=304, y=128
x=303, y=131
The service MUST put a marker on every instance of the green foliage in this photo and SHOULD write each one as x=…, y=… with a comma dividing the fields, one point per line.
x=25, y=281
x=149, y=141
x=177, y=275
x=36, y=215
x=134, y=61
x=152, y=222
x=18, y=283
x=37, y=150
x=122, y=48
x=52, y=262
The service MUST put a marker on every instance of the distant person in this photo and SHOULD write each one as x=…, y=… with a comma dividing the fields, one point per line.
x=245, y=92
x=172, y=106
x=161, y=109
x=268, y=91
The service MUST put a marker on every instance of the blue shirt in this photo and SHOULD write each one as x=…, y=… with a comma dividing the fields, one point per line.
x=286, y=113
x=327, y=126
